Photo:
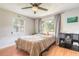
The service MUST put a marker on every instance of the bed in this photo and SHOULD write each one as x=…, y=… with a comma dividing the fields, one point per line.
x=35, y=44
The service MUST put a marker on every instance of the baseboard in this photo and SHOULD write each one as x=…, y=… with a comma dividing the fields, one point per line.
x=7, y=46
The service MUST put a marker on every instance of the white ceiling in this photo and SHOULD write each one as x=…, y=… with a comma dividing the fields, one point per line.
x=52, y=8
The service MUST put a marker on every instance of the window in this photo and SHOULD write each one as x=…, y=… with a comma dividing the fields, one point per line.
x=18, y=25
x=48, y=26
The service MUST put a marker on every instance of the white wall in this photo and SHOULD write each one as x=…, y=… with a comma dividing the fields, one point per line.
x=29, y=26
x=5, y=22
x=70, y=27
x=6, y=18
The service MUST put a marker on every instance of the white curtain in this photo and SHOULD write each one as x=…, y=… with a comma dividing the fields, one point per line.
x=37, y=25
x=58, y=26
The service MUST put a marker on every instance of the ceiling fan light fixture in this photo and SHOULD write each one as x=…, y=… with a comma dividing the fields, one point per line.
x=34, y=8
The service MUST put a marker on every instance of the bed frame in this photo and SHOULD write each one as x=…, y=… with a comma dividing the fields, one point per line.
x=41, y=52
x=47, y=49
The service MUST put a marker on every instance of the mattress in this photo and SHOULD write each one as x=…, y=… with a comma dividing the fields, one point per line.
x=34, y=44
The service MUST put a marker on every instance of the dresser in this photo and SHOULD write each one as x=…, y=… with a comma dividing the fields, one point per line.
x=69, y=41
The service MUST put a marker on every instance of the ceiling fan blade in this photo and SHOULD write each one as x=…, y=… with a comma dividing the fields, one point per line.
x=32, y=4
x=39, y=4
x=26, y=7
x=43, y=8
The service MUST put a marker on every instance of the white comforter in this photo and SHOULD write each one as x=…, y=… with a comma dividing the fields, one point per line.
x=35, y=44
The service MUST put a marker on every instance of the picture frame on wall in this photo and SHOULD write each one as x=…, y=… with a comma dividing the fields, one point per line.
x=72, y=19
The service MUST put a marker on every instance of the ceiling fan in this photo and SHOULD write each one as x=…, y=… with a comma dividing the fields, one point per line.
x=35, y=7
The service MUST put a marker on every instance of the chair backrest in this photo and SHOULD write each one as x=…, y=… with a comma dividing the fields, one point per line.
x=61, y=35
x=75, y=36
x=68, y=35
